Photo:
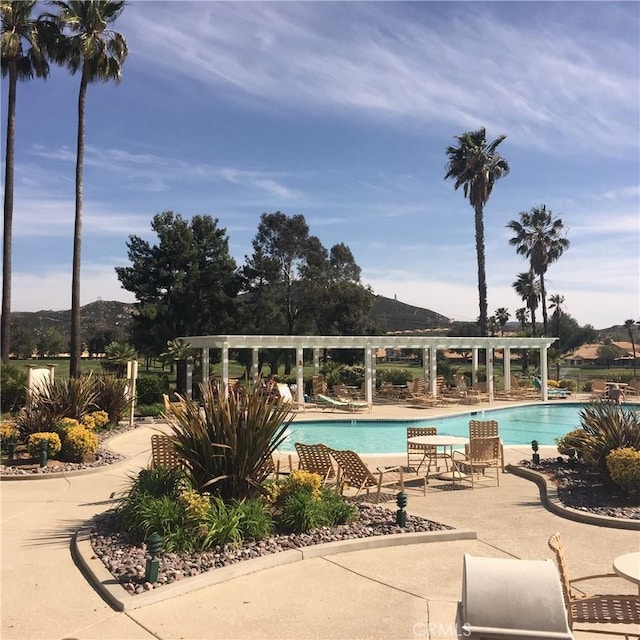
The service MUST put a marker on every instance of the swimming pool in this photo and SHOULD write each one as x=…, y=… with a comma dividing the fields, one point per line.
x=518, y=425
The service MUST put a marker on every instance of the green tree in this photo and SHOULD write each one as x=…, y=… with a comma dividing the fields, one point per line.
x=185, y=285
x=116, y=357
x=23, y=56
x=630, y=324
x=50, y=343
x=528, y=288
x=608, y=353
x=539, y=237
x=555, y=302
x=475, y=165
x=502, y=317
x=87, y=46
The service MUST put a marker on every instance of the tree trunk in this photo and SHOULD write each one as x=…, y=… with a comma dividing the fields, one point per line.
x=5, y=328
x=543, y=296
x=482, y=278
x=76, y=338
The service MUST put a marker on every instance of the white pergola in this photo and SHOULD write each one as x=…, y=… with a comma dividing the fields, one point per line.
x=370, y=345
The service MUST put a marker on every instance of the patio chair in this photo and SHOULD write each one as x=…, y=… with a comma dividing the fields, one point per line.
x=316, y=458
x=552, y=392
x=284, y=392
x=598, y=388
x=164, y=453
x=418, y=452
x=418, y=395
x=486, y=429
x=594, y=609
x=355, y=473
x=482, y=455
x=345, y=405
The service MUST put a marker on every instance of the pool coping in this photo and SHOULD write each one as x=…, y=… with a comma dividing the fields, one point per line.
x=550, y=500
x=116, y=596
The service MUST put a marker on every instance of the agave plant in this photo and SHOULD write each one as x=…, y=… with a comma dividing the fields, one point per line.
x=227, y=443
x=605, y=426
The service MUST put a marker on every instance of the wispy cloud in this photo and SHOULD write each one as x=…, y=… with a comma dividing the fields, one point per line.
x=553, y=83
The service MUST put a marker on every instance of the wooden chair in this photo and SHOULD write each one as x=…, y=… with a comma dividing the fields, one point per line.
x=355, y=473
x=418, y=452
x=316, y=458
x=482, y=455
x=593, y=609
x=486, y=429
x=163, y=452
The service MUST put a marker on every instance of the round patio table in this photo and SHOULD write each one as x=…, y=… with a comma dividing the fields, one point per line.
x=627, y=566
x=446, y=442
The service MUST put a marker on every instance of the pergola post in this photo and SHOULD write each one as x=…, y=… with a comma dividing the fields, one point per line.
x=474, y=366
x=544, y=373
x=368, y=375
x=189, y=381
x=489, y=356
x=225, y=370
x=300, y=374
x=255, y=363
x=506, y=355
x=205, y=365
x=433, y=370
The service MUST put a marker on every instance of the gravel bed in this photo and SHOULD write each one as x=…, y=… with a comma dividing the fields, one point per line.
x=584, y=489
x=103, y=457
x=127, y=561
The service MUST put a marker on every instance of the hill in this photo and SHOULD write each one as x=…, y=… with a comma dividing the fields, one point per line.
x=394, y=315
x=104, y=315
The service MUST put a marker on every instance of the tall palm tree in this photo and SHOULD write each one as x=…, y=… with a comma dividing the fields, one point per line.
x=539, y=237
x=98, y=53
x=502, y=316
x=630, y=324
x=475, y=166
x=528, y=288
x=555, y=302
x=521, y=316
x=23, y=56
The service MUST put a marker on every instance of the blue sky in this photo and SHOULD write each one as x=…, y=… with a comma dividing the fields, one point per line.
x=342, y=111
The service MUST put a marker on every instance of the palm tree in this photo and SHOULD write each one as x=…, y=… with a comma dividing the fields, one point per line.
x=521, y=316
x=540, y=238
x=476, y=165
x=23, y=56
x=555, y=302
x=502, y=316
x=629, y=324
x=98, y=53
x=528, y=288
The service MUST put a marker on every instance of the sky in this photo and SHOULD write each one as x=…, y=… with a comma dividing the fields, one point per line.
x=342, y=112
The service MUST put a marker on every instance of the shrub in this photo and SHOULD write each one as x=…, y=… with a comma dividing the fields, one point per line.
x=624, y=469
x=567, y=444
x=112, y=397
x=149, y=389
x=336, y=509
x=228, y=441
x=95, y=420
x=150, y=410
x=70, y=397
x=13, y=385
x=256, y=521
x=34, y=444
x=605, y=426
x=394, y=376
x=569, y=385
x=301, y=512
x=78, y=444
x=38, y=417
x=8, y=431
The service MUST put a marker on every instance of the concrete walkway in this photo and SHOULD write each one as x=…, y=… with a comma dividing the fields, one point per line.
x=393, y=592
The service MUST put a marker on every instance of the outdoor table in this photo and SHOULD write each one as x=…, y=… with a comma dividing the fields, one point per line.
x=627, y=566
x=447, y=443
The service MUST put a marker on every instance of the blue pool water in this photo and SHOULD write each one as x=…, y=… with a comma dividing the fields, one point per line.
x=517, y=425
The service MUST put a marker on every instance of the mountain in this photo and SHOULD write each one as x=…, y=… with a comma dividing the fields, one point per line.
x=394, y=315
x=102, y=315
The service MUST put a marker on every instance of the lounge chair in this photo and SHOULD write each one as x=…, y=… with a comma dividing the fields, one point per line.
x=344, y=405
x=486, y=429
x=285, y=394
x=418, y=395
x=594, y=609
x=316, y=458
x=355, y=474
x=552, y=392
x=482, y=455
